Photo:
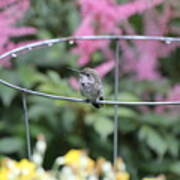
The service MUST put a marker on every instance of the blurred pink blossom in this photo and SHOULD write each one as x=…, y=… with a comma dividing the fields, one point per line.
x=12, y=11
x=142, y=57
x=105, y=68
x=173, y=95
x=74, y=83
x=104, y=17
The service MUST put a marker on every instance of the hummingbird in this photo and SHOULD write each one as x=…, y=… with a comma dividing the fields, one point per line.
x=91, y=85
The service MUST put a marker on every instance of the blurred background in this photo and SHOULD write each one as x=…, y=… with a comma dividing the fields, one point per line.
x=149, y=71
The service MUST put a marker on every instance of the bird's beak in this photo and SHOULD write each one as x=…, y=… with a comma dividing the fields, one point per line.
x=74, y=70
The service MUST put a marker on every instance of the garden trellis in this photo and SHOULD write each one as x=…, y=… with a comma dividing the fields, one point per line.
x=21, y=50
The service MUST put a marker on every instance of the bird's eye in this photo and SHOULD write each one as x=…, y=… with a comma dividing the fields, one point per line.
x=87, y=74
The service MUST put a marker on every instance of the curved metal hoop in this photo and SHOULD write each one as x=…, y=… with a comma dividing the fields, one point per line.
x=73, y=99
x=15, y=52
x=50, y=42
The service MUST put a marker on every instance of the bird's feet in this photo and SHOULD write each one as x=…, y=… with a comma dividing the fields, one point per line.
x=87, y=101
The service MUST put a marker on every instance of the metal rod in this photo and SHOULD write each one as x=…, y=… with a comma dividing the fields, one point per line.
x=50, y=42
x=73, y=99
x=116, y=92
x=27, y=129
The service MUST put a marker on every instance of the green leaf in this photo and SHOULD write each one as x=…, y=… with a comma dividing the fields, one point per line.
x=73, y=18
x=54, y=76
x=173, y=144
x=127, y=125
x=76, y=141
x=103, y=126
x=175, y=168
x=122, y=112
x=90, y=119
x=29, y=76
x=127, y=96
x=7, y=94
x=10, y=145
x=159, y=119
x=153, y=139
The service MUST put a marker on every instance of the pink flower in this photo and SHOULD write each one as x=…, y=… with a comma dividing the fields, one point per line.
x=142, y=58
x=104, y=17
x=11, y=12
x=174, y=95
x=74, y=83
x=106, y=67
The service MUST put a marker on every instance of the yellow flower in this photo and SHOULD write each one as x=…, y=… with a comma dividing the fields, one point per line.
x=160, y=177
x=25, y=164
x=8, y=163
x=73, y=156
x=4, y=173
x=8, y=169
x=122, y=176
x=78, y=159
x=26, y=170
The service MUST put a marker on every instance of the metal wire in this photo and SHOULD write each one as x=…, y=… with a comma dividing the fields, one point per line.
x=26, y=122
x=116, y=92
x=73, y=99
x=15, y=52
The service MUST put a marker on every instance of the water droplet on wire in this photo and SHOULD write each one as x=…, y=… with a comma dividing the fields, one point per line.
x=50, y=44
x=168, y=41
x=29, y=48
x=71, y=42
x=14, y=55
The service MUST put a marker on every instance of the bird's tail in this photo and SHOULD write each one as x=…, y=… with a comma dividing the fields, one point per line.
x=96, y=105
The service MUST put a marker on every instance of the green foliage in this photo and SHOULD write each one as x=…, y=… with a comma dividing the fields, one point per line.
x=153, y=139
x=75, y=125
x=7, y=94
x=10, y=145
